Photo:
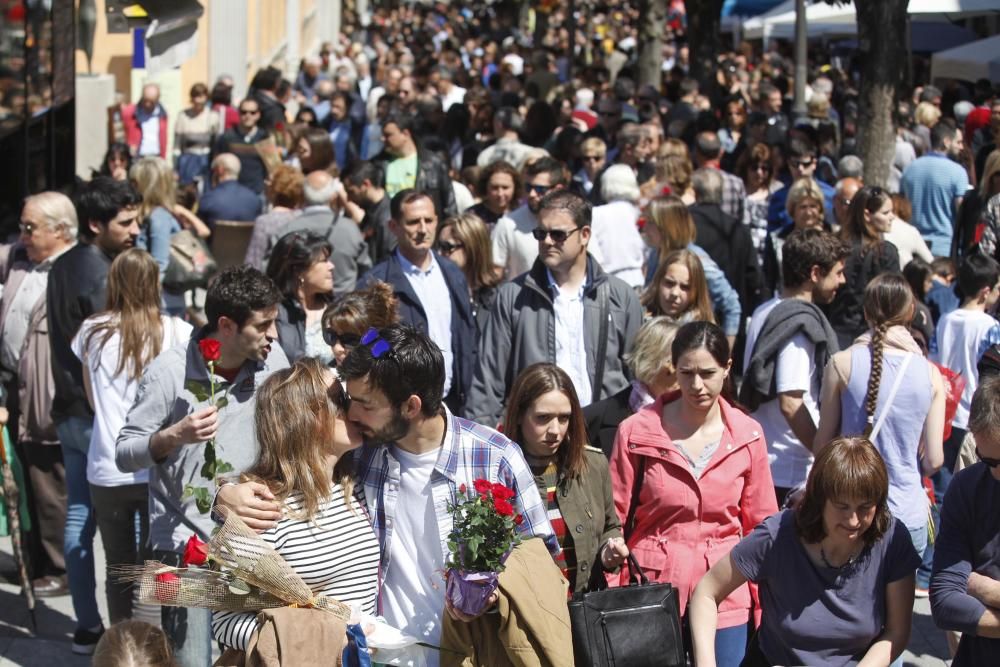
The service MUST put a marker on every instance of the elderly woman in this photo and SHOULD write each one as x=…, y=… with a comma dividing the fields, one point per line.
x=285, y=193
x=805, y=206
x=649, y=362
x=615, y=240
x=835, y=575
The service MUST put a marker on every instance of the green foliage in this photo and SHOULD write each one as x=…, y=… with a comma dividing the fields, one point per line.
x=213, y=465
x=201, y=498
x=481, y=536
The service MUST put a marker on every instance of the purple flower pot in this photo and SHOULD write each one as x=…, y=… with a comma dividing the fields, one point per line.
x=469, y=592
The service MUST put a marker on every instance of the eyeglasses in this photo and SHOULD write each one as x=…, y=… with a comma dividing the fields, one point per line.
x=28, y=228
x=804, y=162
x=558, y=235
x=331, y=338
x=377, y=345
x=539, y=190
x=446, y=248
x=249, y=112
x=598, y=158
x=990, y=463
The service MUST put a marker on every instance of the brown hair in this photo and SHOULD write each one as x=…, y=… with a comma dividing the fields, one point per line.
x=285, y=187
x=295, y=419
x=675, y=171
x=530, y=384
x=673, y=219
x=198, y=90
x=356, y=312
x=888, y=302
x=133, y=644
x=499, y=167
x=134, y=307
x=701, y=304
x=760, y=153
x=870, y=200
x=471, y=231
x=847, y=468
x=320, y=149
x=902, y=206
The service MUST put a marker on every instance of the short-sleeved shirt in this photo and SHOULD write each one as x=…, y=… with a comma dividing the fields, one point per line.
x=401, y=174
x=932, y=183
x=814, y=615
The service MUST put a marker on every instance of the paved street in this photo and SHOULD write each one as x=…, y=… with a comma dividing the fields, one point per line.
x=51, y=646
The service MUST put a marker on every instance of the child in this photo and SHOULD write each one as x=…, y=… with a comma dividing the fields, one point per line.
x=133, y=643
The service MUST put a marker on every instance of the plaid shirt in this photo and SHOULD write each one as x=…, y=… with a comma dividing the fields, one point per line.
x=470, y=451
x=734, y=196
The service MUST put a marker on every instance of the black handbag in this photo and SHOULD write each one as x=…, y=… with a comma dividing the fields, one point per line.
x=191, y=263
x=638, y=625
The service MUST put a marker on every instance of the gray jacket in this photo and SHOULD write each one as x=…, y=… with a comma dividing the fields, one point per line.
x=164, y=397
x=350, y=252
x=521, y=330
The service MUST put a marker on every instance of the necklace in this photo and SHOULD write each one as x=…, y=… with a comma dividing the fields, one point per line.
x=827, y=563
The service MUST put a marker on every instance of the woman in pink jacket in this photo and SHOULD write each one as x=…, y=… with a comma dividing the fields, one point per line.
x=690, y=477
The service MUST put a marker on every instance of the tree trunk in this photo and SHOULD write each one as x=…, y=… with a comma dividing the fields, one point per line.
x=881, y=30
x=704, y=22
x=652, y=20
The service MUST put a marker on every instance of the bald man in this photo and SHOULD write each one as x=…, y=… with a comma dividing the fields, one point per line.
x=145, y=124
x=350, y=252
x=229, y=199
x=842, y=197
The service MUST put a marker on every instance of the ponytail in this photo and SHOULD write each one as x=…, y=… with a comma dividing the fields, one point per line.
x=875, y=377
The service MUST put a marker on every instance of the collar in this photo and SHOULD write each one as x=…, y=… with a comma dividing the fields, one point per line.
x=411, y=268
x=554, y=286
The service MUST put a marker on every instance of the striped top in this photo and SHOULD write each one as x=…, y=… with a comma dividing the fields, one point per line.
x=336, y=555
x=548, y=488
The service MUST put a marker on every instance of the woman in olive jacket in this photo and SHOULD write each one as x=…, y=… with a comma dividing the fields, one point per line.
x=545, y=419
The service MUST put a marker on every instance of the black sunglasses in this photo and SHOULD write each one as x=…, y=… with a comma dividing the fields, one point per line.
x=331, y=338
x=339, y=396
x=558, y=235
x=446, y=248
x=539, y=190
x=990, y=463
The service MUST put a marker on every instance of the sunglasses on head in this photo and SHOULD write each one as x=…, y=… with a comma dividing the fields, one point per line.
x=331, y=338
x=558, y=235
x=990, y=463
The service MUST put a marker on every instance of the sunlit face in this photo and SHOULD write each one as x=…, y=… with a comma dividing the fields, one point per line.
x=701, y=378
x=560, y=255
x=338, y=109
x=346, y=436
x=802, y=167
x=451, y=247
x=253, y=340
x=537, y=187
x=372, y=413
x=848, y=518
x=393, y=138
x=303, y=149
x=881, y=220
x=318, y=278
x=500, y=192
x=119, y=234
x=416, y=230
x=675, y=291
x=827, y=286
x=651, y=234
x=545, y=423
x=808, y=214
x=40, y=239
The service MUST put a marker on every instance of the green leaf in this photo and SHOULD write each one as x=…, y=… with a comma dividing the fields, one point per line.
x=199, y=390
x=222, y=467
x=221, y=402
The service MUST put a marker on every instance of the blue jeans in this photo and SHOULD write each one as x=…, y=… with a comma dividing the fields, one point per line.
x=188, y=629
x=730, y=644
x=78, y=544
x=941, y=479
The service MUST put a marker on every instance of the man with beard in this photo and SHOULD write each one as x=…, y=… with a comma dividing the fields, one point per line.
x=431, y=291
x=566, y=310
x=789, y=342
x=107, y=211
x=514, y=248
x=174, y=417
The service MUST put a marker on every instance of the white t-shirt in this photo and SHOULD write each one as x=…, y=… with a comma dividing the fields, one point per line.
x=962, y=338
x=616, y=243
x=795, y=370
x=514, y=248
x=413, y=590
x=113, y=396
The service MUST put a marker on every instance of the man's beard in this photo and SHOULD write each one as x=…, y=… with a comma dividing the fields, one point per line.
x=396, y=429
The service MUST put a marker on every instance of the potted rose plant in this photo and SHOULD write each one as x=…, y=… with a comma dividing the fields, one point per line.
x=484, y=532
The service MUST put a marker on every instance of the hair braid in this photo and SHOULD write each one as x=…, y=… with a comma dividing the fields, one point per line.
x=875, y=377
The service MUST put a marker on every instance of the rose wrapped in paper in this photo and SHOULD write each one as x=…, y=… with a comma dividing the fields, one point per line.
x=484, y=531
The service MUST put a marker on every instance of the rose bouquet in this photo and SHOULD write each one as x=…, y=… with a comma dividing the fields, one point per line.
x=484, y=532
x=213, y=466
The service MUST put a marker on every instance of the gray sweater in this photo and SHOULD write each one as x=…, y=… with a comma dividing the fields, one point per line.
x=164, y=397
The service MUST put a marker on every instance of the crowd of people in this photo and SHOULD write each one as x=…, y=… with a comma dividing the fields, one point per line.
x=675, y=320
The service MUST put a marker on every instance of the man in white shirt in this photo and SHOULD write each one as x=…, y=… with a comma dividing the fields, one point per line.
x=812, y=270
x=514, y=248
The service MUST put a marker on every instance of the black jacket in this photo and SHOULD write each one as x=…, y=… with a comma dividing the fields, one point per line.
x=464, y=339
x=728, y=242
x=77, y=289
x=432, y=178
x=846, y=311
x=604, y=417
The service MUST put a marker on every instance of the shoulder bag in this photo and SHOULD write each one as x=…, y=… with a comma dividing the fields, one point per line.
x=191, y=263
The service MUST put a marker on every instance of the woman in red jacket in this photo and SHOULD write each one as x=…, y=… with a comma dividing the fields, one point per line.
x=690, y=477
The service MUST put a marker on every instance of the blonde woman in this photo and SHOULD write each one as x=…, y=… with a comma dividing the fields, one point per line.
x=115, y=348
x=805, y=207
x=668, y=227
x=161, y=217
x=324, y=532
x=465, y=240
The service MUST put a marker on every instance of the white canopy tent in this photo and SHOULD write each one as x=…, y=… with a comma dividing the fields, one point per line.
x=838, y=20
x=978, y=60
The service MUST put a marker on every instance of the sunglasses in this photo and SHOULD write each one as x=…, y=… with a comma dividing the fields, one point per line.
x=539, y=190
x=331, y=338
x=558, y=235
x=339, y=396
x=249, y=112
x=762, y=166
x=801, y=163
x=990, y=463
x=592, y=158
x=446, y=248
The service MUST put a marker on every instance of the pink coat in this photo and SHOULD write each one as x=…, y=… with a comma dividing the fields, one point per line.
x=684, y=525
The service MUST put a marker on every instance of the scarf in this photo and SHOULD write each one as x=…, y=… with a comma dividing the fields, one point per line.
x=897, y=337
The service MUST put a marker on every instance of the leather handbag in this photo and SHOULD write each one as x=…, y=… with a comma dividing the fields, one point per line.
x=638, y=625
x=191, y=263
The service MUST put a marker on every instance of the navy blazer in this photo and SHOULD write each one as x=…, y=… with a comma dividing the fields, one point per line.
x=229, y=200
x=464, y=336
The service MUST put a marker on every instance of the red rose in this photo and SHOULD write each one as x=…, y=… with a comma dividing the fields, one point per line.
x=501, y=492
x=519, y=519
x=461, y=489
x=195, y=552
x=210, y=349
x=168, y=585
x=482, y=486
x=503, y=508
